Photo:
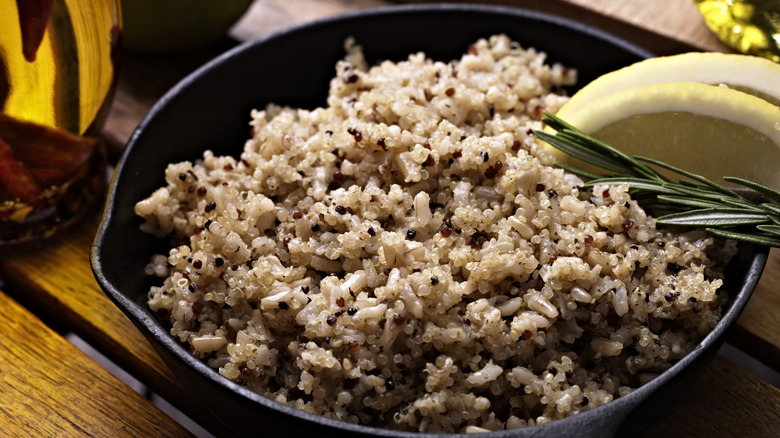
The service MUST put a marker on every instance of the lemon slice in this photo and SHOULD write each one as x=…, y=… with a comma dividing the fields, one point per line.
x=751, y=74
x=705, y=129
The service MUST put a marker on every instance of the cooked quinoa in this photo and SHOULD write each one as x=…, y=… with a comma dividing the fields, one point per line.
x=407, y=257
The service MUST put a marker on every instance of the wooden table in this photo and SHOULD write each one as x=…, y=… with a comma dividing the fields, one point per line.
x=50, y=387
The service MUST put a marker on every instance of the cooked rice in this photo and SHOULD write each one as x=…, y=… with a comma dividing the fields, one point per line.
x=408, y=258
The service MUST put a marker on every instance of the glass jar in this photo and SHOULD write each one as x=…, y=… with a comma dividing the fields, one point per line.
x=58, y=65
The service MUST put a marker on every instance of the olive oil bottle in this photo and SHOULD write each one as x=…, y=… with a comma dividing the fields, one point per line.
x=58, y=62
x=749, y=26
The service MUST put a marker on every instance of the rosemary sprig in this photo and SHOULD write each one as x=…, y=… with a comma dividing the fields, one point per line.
x=695, y=200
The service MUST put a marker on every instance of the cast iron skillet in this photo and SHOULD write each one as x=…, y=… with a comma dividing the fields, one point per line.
x=210, y=109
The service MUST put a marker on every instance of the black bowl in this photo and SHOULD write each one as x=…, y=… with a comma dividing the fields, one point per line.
x=210, y=109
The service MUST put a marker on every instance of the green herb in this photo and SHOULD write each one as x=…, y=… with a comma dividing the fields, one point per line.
x=694, y=201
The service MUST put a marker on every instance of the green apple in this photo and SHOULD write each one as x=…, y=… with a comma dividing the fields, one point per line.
x=174, y=25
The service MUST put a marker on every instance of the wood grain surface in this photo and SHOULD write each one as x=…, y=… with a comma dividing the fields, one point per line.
x=57, y=284
x=50, y=388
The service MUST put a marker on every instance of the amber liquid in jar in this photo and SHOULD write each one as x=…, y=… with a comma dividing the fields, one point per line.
x=750, y=26
x=58, y=62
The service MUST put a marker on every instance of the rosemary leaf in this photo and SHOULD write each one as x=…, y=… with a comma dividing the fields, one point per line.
x=713, y=217
x=772, y=194
x=691, y=191
x=690, y=175
x=634, y=183
x=771, y=207
x=742, y=203
x=577, y=151
x=663, y=207
x=756, y=239
x=605, y=149
x=579, y=172
x=698, y=203
x=771, y=229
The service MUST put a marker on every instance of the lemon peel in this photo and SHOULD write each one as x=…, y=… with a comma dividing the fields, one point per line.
x=750, y=74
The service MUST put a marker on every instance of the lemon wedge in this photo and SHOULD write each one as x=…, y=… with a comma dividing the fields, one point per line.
x=751, y=74
x=710, y=130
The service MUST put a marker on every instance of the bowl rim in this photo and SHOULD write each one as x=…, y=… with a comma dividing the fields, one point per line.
x=151, y=328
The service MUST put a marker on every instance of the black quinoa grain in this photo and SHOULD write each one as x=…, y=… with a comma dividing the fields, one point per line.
x=350, y=77
x=219, y=261
x=371, y=232
x=485, y=157
x=331, y=320
x=197, y=264
x=552, y=194
x=351, y=311
x=182, y=177
x=283, y=305
x=674, y=268
x=341, y=209
x=434, y=280
x=584, y=401
x=211, y=206
x=315, y=227
x=553, y=371
x=410, y=234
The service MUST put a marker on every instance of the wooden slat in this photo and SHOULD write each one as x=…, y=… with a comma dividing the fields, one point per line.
x=727, y=402
x=757, y=332
x=56, y=282
x=50, y=388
